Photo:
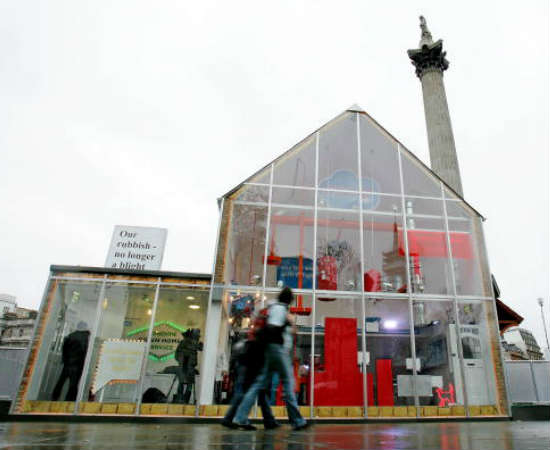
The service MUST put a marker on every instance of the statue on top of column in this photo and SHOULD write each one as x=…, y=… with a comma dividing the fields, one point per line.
x=426, y=37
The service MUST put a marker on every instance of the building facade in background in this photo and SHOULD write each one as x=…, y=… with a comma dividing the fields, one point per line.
x=16, y=323
x=525, y=341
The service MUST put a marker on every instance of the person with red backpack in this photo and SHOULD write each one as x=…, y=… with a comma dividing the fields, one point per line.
x=249, y=354
x=276, y=360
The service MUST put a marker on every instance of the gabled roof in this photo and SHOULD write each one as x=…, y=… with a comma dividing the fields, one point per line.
x=354, y=108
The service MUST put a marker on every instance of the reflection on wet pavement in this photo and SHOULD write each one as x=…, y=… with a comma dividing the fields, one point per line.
x=141, y=436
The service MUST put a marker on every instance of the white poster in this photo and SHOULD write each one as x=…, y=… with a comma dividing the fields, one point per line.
x=136, y=248
x=119, y=362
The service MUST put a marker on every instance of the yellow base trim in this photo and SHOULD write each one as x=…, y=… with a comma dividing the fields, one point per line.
x=373, y=411
x=109, y=408
x=126, y=408
x=161, y=409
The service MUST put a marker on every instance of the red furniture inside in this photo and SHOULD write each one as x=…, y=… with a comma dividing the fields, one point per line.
x=341, y=382
x=384, y=382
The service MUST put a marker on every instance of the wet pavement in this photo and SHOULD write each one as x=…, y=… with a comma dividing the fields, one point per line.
x=444, y=436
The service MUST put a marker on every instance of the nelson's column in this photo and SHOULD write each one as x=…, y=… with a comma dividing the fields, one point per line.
x=429, y=61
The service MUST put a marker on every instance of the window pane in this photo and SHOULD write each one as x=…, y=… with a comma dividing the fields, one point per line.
x=417, y=180
x=379, y=164
x=471, y=270
x=338, y=154
x=389, y=361
x=384, y=260
x=117, y=353
x=479, y=346
x=439, y=373
x=293, y=196
x=423, y=206
x=290, y=253
x=337, y=200
x=63, y=347
x=338, y=251
x=176, y=346
x=297, y=167
x=429, y=261
x=338, y=352
x=252, y=193
x=245, y=252
x=381, y=203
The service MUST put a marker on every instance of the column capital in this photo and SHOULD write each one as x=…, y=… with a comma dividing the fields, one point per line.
x=430, y=55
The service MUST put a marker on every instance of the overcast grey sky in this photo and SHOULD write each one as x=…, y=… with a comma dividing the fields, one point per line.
x=144, y=112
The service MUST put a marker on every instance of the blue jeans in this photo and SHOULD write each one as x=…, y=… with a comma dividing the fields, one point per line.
x=238, y=395
x=277, y=360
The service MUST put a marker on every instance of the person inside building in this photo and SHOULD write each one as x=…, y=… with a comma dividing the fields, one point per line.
x=276, y=360
x=187, y=357
x=74, y=350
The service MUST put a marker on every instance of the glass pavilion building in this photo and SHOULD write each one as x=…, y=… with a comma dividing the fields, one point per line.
x=394, y=302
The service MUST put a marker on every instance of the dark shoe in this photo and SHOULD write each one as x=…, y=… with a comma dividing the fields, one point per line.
x=271, y=426
x=245, y=426
x=228, y=424
x=302, y=427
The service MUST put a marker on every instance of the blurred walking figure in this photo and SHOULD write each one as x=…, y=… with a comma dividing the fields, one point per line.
x=277, y=360
x=73, y=354
x=249, y=359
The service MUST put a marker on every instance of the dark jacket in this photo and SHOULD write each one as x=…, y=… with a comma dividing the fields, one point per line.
x=75, y=346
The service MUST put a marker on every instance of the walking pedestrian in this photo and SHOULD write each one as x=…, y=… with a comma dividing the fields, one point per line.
x=277, y=360
x=249, y=358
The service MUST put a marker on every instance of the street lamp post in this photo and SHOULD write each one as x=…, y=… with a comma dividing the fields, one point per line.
x=541, y=304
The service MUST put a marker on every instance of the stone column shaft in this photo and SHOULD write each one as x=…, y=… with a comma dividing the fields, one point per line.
x=441, y=141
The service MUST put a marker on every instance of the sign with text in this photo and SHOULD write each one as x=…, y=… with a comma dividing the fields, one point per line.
x=119, y=362
x=137, y=248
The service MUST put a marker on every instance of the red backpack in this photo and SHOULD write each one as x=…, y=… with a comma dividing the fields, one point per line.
x=257, y=327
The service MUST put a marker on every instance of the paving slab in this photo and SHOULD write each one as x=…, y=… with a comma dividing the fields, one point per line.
x=504, y=435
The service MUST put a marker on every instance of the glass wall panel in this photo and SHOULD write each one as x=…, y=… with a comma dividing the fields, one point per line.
x=480, y=349
x=293, y=196
x=173, y=363
x=262, y=177
x=253, y=193
x=338, y=251
x=438, y=374
x=118, y=350
x=417, y=180
x=381, y=203
x=429, y=259
x=379, y=164
x=337, y=200
x=423, y=206
x=297, y=167
x=338, y=161
x=338, y=377
x=389, y=360
x=384, y=259
x=290, y=254
x=60, y=361
x=245, y=251
x=470, y=266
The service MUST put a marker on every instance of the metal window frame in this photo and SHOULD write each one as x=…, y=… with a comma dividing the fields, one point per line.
x=362, y=257
x=314, y=285
x=457, y=317
x=409, y=287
